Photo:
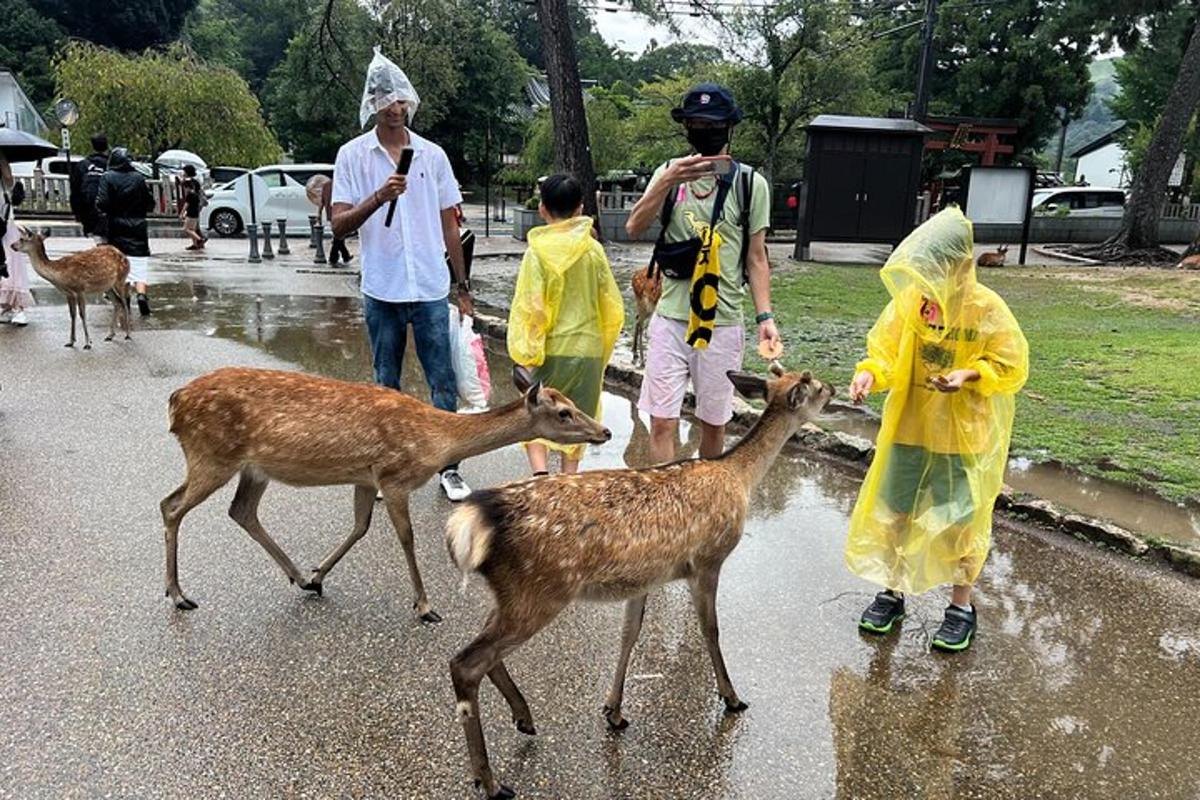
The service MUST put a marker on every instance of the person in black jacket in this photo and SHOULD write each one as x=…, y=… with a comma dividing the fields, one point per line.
x=85, y=185
x=124, y=200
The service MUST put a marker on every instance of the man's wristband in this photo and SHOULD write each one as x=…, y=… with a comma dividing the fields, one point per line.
x=464, y=286
x=763, y=317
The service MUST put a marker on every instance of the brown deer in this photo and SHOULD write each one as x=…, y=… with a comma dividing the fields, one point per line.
x=97, y=269
x=611, y=535
x=1189, y=262
x=995, y=259
x=647, y=289
x=306, y=430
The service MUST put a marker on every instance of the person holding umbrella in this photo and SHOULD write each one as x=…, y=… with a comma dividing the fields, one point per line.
x=15, y=146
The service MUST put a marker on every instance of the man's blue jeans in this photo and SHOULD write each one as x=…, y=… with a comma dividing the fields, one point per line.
x=387, y=328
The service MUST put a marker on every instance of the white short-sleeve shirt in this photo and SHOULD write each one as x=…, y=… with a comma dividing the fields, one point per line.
x=406, y=262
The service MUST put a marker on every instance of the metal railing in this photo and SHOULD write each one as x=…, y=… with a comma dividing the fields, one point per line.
x=1181, y=211
x=52, y=194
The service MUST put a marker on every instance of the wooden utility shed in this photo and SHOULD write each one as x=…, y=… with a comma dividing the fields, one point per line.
x=861, y=177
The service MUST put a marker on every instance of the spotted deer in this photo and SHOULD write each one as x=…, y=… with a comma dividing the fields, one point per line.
x=995, y=259
x=97, y=269
x=305, y=430
x=647, y=289
x=611, y=535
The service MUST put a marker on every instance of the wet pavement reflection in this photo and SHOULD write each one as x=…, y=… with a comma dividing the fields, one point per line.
x=1084, y=681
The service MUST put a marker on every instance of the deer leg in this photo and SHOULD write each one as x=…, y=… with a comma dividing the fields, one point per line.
x=112, y=323
x=81, y=301
x=635, y=612
x=704, y=598
x=364, y=504
x=196, y=488
x=522, y=715
x=639, y=355
x=479, y=658
x=396, y=500
x=244, y=511
x=71, y=310
x=121, y=290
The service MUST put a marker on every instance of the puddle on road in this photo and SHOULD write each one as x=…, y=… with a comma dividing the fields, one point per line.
x=325, y=335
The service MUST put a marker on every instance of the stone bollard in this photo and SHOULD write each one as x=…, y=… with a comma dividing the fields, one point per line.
x=268, y=252
x=283, y=250
x=312, y=231
x=319, y=242
x=252, y=232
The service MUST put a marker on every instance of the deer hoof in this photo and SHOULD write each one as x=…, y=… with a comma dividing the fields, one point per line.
x=502, y=793
x=735, y=707
x=183, y=604
x=432, y=617
x=312, y=586
x=526, y=727
x=87, y=347
x=108, y=338
x=128, y=338
x=614, y=719
x=69, y=344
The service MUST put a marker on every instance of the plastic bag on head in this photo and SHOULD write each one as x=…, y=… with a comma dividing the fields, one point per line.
x=386, y=84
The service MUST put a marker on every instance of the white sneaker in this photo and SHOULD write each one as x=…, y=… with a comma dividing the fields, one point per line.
x=454, y=486
x=7, y=316
x=19, y=318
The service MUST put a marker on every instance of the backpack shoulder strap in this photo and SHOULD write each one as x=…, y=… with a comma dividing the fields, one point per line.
x=664, y=221
x=746, y=198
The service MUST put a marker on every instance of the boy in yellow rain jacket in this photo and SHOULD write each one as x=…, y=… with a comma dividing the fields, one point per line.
x=566, y=311
x=951, y=356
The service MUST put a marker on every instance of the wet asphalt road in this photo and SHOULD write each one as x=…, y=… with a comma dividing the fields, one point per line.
x=1084, y=681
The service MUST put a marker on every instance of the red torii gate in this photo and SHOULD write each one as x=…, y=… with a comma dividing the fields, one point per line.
x=988, y=137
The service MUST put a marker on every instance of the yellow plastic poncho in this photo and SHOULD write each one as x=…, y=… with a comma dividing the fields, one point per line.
x=924, y=513
x=565, y=315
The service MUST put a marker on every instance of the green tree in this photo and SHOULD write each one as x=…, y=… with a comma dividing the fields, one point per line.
x=127, y=25
x=658, y=62
x=163, y=99
x=1015, y=60
x=28, y=42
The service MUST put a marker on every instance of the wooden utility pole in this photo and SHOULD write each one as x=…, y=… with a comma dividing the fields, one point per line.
x=572, y=152
x=925, y=73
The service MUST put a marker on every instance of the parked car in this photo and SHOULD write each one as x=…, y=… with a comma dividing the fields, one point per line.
x=58, y=165
x=227, y=215
x=1079, y=201
x=223, y=175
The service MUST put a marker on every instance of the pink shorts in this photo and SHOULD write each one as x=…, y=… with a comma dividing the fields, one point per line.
x=670, y=361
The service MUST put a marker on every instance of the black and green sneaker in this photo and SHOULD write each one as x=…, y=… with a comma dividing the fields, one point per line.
x=884, y=612
x=957, y=630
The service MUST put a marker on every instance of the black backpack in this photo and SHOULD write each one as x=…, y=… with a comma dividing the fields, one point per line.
x=746, y=186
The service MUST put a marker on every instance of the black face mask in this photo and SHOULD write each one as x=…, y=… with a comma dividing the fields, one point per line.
x=708, y=141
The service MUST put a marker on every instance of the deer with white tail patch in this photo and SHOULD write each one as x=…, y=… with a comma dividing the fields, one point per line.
x=611, y=535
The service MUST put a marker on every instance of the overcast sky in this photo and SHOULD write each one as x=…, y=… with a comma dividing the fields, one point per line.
x=632, y=32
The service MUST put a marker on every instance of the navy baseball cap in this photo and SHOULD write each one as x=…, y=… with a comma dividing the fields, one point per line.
x=708, y=101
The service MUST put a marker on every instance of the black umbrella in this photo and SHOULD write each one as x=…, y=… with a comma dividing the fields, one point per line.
x=21, y=146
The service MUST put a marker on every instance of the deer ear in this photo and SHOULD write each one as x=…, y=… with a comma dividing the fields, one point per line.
x=798, y=394
x=752, y=387
x=776, y=369
x=533, y=395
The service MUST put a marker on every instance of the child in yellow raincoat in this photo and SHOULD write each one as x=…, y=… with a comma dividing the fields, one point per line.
x=951, y=356
x=566, y=311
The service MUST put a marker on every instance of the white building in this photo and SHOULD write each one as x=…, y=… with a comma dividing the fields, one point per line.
x=16, y=109
x=1102, y=161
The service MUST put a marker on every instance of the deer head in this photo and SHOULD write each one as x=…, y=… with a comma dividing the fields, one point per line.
x=797, y=394
x=555, y=417
x=29, y=241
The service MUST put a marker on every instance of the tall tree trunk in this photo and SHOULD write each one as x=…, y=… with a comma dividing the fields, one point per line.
x=572, y=151
x=1139, y=228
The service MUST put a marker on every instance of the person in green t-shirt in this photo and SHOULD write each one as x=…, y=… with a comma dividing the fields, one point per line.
x=708, y=114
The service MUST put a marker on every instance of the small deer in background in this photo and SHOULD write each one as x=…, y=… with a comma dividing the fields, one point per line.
x=305, y=430
x=1189, y=262
x=995, y=259
x=611, y=535
x=647, y=289
x=97, y=269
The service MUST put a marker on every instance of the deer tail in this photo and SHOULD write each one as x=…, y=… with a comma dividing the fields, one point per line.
x=469, y=537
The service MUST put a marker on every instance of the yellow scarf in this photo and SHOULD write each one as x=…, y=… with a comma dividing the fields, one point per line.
x=702, y=301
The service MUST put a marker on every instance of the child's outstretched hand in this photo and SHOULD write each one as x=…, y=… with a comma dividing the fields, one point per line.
x=953, y=381
x=861, y=386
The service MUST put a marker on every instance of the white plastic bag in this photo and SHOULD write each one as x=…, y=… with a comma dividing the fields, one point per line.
x=470, y=362
x=386, y=83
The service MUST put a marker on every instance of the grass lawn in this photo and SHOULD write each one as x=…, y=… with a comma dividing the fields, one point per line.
x=1114, y=385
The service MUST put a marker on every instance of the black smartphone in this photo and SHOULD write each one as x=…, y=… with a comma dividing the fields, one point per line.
x=406, y=157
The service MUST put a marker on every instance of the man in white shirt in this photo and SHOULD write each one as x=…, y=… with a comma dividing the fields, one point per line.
x=404, y=278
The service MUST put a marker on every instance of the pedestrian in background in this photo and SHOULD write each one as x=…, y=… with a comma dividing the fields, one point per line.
x=124, y=200
x=15, y=296
x=191, y=201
